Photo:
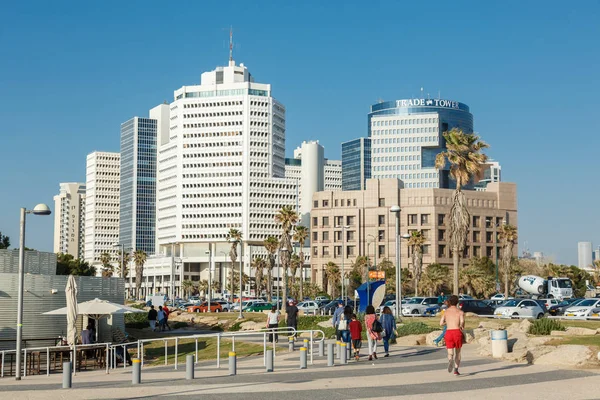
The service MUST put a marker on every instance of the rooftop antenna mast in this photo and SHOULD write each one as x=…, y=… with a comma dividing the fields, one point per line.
x=231, y=62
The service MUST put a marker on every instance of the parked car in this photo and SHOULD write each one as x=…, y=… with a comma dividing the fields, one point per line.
x=322, y=298
x=519, y=307
x=225, y=305
x=259, y=306
x=478, y=307
x=322, y=303
x=184, y=306
x=500, y=296
x=330, y=307
x=390, y=303
x=561, y=307
x=465, y=297
x=432, y=311
x=583, y=308
x=214, y=307
x=418, y=305
x=195, y=300
x=245, y=304
x=308, y=307
x=550, y=302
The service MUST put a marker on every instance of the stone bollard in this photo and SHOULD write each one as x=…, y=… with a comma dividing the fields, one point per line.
x=232, y=363
x=269, y=360
x=66, y=375
x=338, y=349
x=136, y=371
x=189, y=366
x=302, y=357
x=322, y=348
x=291, y=343
x=330, y=355
x=344, y=354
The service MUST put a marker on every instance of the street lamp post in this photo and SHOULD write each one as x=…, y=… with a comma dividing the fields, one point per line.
x=278, y=280
x=223, y=285
x=40, y=209
x=396, y=210
x=344, y=227
x=209, y=252
x=241, y=275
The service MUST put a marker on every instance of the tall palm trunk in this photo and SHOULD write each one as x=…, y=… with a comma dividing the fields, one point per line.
x=269, y=282
x=507, y=256
x=301, y=254
x=455, y=262
x=460, y=221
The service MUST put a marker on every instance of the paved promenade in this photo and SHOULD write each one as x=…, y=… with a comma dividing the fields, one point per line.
x=409, y=373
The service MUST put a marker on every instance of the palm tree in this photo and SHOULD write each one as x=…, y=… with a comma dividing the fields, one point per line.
x=295, y=264
x=203, y=287
x=216, y=286
x=287, y=217
x=187, y=287
x=333, y=277
x=271, y=244
x=416, y=242
x=300, y=236
x=107, y=268
x=234, y=236
x=466, y=161
x=259, y=265
x=139, y=259
x=508, y=237
x=123, y=268
x=434, y=278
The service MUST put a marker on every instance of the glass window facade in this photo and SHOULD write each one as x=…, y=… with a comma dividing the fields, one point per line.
x=356, y=163
x=138, y=184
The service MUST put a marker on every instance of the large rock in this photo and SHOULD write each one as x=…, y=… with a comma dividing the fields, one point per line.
x=432, y=336
x=533, y=353
x=558, y=333
x=251, y=326
x=325, y=324
x=469, y=335
x=490, y=325
x=570, y=355
x=485, y=347
x=573, y=331
x=519, y=355
x=522, y=326
x=411, y=340
x=518, y=341
x=534, y=342
x=478, y=333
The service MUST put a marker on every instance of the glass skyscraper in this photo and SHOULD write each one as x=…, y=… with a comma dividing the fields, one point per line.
x=356, y=163
x=137, y=230
x=407, y=135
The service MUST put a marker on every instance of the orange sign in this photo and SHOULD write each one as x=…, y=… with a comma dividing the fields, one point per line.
x=376, y=274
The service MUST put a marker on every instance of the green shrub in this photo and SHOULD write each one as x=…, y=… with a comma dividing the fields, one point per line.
x=180, y=324
x=236, y=326
x=414, y=328
x=544, y=326
x=136, y=320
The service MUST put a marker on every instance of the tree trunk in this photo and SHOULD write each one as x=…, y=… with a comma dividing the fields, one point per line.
x=270, y=285
x=301, y=275
x=416, y=287
x=455, y=261
x=285, y=286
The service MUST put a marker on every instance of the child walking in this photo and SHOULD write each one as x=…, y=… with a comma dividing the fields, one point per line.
x=439, y=338
x=355, y=335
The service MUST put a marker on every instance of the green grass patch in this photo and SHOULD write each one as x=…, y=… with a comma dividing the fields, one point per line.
x=593, y=341
x=544, y=326
x=179, y=324
x=415, y=328
x=154, y=352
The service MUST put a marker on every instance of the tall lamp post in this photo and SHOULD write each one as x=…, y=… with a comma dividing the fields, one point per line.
x=344, y=227
x=241, y=275
x=209, y=252
x=40, y=209
x=396, y=210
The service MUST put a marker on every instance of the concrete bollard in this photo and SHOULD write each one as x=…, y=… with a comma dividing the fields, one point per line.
x=306, y=343
x=344, y=354
x=330, y=354
x=232, y=363
x=302, y=357
x=66, y=375
x=189, y=366
x=338, y=349
x=291, y=343
x=322, y=348
x=270, y=361
x=136, y=371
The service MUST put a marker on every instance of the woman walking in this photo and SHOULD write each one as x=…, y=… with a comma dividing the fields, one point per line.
x=272, y=323
x=345, y=320
x=373, y=331
x=388, y=322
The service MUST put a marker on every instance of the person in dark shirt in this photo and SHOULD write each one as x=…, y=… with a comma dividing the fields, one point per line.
x=152, y=315
x=356, y=335
x=292, y=316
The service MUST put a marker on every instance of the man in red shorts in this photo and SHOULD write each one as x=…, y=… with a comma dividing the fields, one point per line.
x=454, y=319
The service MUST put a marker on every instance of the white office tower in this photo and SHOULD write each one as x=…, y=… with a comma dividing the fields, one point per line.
x=69, y=219
x=491, y=172
x=314, y=173
x=102, y=206
x=584, y=255
x=221, y=165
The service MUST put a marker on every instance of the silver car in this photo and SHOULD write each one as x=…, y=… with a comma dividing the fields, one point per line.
x=418, y=305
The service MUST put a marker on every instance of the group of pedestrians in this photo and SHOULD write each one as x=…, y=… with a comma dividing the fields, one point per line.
x=274, y=316
x=161, y=317
x=349, y=329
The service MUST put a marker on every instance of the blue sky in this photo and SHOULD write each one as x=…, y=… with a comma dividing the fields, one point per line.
x=71, y=72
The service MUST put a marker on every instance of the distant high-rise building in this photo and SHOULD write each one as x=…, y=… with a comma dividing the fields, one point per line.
x=314, y=173
x=138, y=184
x=356, y=163
x=584, y=255
x=69, y=219
x=597, y=254
x=407, y=135
x=102, y=202
x=492, y=172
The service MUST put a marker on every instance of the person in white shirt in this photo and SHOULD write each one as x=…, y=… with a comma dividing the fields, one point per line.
x=273, y=322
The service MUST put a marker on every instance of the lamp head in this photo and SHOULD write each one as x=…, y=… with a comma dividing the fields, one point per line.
x=41, y=209
x=395, y=209
x=406, y=236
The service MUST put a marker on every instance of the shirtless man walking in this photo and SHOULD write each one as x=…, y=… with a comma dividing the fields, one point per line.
x=454, y=319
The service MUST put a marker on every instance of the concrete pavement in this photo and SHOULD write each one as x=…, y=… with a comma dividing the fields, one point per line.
x=418, y=372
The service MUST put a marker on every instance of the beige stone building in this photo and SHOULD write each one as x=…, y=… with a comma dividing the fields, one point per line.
x=364, y=217
x=69, y=219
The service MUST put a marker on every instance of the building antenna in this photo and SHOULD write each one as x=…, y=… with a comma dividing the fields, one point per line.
x=230, y=45
x=422, y=92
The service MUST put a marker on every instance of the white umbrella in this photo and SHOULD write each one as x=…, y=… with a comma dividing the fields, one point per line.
x=71, y=310
x=97, y=309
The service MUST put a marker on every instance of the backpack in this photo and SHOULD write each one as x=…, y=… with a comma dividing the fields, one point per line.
x=343, y=324
x=377, y=327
